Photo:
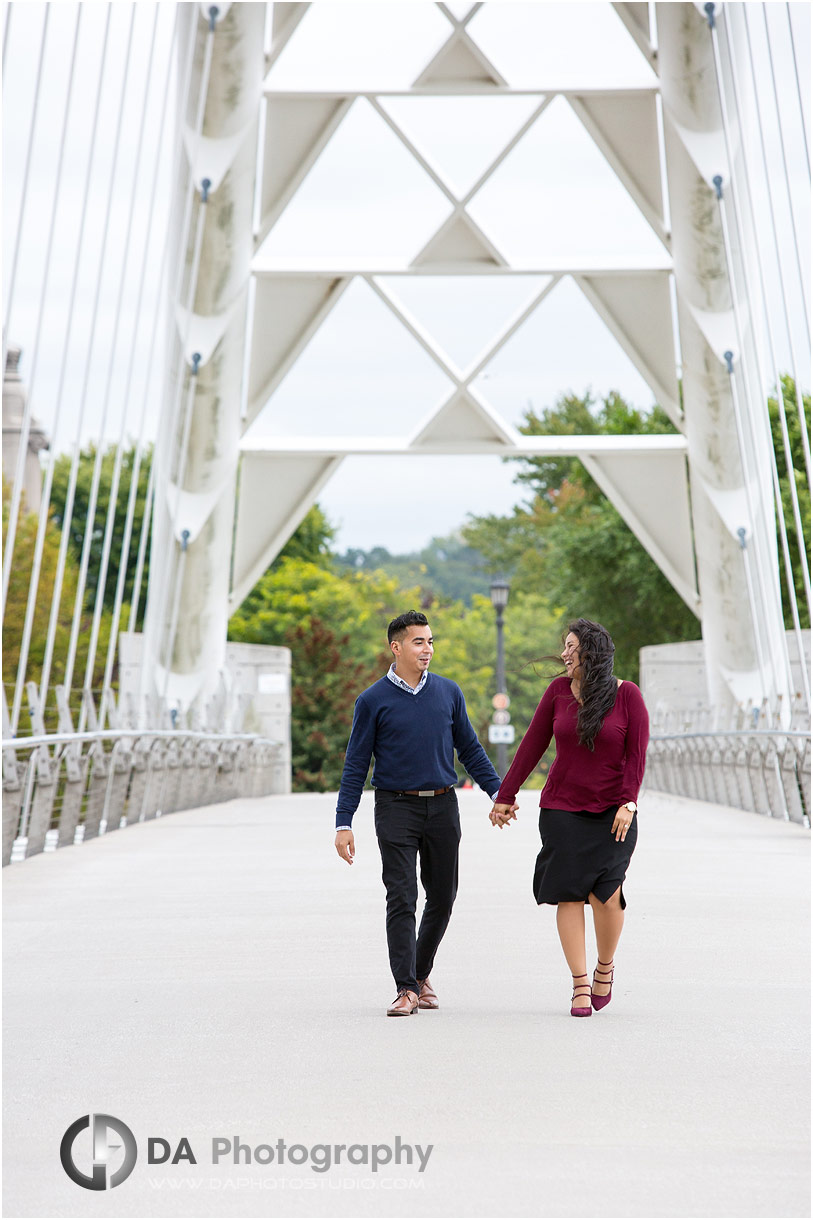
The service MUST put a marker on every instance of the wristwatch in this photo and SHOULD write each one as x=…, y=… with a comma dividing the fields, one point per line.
x=633, y=808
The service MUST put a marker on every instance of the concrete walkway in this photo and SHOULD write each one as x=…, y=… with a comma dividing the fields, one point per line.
x=220, y=974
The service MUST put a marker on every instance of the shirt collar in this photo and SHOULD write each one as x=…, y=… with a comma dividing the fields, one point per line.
x=412, y=690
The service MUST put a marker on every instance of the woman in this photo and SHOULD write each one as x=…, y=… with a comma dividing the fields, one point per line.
x=588, y=812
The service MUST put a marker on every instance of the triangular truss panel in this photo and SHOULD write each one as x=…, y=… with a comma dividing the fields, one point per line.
x=636, y=19
x=625, y=128
x=463, y=419
x=459, y=63
x=562, y=200
x=562, y=46
x=606, y=325
x=653, y=498
x=638, y=311
x=274, y=495
x=288, y=311
x=461, y=135
x=459, y=244
x=340, y=151
x=442, y=307
x=296, y=131
x=618, y=129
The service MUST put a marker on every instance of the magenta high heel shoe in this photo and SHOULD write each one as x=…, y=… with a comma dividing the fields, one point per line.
x=575, y=1011
x=601, y=1001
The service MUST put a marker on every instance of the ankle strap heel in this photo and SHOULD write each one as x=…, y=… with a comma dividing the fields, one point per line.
x=582, y=991
x=601, y=1001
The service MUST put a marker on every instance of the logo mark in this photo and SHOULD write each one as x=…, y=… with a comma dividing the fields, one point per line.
x=100, y=1177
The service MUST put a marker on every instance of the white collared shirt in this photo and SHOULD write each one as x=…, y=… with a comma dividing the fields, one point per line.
x=411, y=690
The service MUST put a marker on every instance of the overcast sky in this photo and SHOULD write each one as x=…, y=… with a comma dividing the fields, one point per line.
x=366, y=196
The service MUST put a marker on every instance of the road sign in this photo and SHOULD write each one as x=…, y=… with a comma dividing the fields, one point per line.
x=501, y=734
x=501, y=701
x=501, y=717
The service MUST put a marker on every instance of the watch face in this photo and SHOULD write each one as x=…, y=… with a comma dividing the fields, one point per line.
x=633, y=808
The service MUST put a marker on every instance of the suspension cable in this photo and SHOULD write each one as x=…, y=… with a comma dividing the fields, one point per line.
x=24, y=195
x=774, y=470
x=101, y=581
x=90, y=519
x=67, y=515
x=772, y=348
x=22, y=452
x=802, y=107
x=142, y=548
x=6, y=31
x=799, y=402
x=45, y=495
x=124, y=561
x=743, y=437
x=780, y=127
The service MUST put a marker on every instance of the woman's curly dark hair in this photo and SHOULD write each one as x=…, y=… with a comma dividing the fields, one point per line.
x=599, y=687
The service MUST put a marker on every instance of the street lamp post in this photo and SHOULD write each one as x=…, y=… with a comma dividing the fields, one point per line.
x=499, y=600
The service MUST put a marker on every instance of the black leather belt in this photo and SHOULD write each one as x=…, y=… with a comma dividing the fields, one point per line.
x=425, y=791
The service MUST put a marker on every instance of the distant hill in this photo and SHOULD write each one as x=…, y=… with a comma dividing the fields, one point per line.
x=447, y=568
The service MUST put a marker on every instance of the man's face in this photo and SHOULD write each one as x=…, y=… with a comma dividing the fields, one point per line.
x=413, y=652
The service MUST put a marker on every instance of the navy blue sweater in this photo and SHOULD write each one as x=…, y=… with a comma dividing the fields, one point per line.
x=413, y=738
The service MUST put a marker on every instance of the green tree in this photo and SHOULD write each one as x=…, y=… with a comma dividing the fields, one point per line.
x=326, y=684
x=335, y=625
x=79, y=516
x=570, y=544
x=295, y=592
x=466, y=647
x=447, y=567
x=15, y=612
x=799, y=476
x=311, y=540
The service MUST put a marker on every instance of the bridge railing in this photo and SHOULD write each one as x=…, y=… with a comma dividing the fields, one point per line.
x=763, y=770
x=60, y=789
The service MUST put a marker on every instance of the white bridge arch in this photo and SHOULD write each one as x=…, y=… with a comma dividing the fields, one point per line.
x=701, y=502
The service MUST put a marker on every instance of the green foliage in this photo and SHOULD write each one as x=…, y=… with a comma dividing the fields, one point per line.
x=571, y=545
x=78, y=526
x=466, y=646
x=448, y=567
x=25, y=542
x=574, y=416
x=798, y=473
x=322, y=698
x=308, y=608
x=296, y=592
x=311, y=540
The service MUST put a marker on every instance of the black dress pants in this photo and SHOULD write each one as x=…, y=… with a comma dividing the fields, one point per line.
x=408, y=828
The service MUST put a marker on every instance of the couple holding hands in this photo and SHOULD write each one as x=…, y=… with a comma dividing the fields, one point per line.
x=412, y=722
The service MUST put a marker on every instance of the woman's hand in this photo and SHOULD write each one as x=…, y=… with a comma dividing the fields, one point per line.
x=621, y=823
x=501, y=815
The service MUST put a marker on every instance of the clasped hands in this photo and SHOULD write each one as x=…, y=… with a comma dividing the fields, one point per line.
x=501, y=815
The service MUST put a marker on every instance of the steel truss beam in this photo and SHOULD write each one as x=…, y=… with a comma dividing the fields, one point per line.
x=644, y=477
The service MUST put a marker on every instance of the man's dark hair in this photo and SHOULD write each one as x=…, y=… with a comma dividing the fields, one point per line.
x=399, y=626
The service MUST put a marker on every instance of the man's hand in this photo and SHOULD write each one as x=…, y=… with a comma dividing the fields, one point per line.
x=346, y=845
x=501, y=815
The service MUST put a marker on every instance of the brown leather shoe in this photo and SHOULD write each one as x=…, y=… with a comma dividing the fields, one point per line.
x=404, y=1004
x=427, y=998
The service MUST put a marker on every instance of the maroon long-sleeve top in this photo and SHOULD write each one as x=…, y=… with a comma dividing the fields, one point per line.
x=579, y=778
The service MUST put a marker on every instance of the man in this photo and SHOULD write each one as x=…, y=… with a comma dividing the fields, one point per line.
x=412, y=722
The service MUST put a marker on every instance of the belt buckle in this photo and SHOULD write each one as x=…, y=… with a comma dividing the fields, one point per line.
x=426, y=792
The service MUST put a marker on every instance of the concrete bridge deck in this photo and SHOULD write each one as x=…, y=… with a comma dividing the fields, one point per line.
x=219, y=973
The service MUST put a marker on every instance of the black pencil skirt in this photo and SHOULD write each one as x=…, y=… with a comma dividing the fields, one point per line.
x=579, y=856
